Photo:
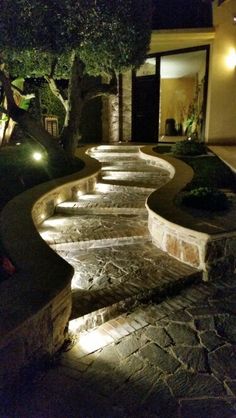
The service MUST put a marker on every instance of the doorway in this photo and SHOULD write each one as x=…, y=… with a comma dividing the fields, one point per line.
x=169, y=93
x=145, y=103
x=182, y=95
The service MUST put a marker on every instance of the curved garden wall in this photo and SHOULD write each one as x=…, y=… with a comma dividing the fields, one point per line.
x=183, y=236
x=35, y=303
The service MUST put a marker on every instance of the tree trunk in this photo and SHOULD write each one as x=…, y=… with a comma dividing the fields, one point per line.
x=30, y=126
x=34, y=129
x=71, y=131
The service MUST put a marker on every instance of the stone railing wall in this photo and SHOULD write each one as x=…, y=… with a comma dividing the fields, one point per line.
x=178, y=232
x=35, y=303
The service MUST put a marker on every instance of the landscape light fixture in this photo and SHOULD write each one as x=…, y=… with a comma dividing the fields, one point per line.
x=37, y=156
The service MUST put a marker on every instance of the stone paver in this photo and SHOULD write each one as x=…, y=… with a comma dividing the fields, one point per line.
x=170, y=359
x=140, y=369
x=104, y=235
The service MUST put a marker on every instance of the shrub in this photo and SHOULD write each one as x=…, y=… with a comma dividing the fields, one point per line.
x=205, y=198
x=187, y=147
x=211, y=172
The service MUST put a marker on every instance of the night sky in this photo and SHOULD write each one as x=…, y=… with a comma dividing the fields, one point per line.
x=170, y=14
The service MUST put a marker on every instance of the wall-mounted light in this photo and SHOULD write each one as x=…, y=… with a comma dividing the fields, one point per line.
x=234, y=19
x=231, y=59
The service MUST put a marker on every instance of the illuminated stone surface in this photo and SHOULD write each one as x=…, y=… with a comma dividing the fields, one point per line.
x=112, y=371
x=161, y=360
x=104, y=235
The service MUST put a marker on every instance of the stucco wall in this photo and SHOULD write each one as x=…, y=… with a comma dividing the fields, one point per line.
x=221, y=115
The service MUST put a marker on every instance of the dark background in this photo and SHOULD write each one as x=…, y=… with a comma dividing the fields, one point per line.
x=174, y=14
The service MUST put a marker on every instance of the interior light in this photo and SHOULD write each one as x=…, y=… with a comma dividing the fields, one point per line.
x=37, y=156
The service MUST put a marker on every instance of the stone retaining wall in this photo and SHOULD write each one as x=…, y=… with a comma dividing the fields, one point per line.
x=180, y=234
x=35, y=304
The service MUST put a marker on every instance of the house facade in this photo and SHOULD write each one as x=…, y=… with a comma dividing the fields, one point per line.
x=186, y=87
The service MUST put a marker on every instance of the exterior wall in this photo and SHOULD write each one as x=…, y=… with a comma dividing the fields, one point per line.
x=36, y=302
x=221, y=113
x=127, y=106
x=110, y=119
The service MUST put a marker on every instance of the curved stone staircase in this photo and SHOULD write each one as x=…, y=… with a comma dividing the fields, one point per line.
x=104, y=235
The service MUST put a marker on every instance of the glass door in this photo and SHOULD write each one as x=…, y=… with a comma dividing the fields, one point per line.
x=183, y=84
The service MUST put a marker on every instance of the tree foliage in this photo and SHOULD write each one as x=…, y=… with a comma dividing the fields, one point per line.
x=106, y=35
x=72, y=39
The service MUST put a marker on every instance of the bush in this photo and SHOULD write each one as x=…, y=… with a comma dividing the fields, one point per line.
x=211, y=172
x=187, y=147
x=205, y=198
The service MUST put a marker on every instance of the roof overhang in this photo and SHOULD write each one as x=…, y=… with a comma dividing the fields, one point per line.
x=172, y=39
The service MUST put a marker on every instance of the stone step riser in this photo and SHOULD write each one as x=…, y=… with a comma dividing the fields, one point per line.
x=100, y=211
x=110, y=188
x=143, y=296
x=86, y=245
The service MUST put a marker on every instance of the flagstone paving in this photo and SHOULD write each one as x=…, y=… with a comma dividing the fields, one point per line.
x=171, y=358
x=104, y=235
x=174, y=359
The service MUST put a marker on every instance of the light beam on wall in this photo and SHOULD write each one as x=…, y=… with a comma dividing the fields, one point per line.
x=231, y=59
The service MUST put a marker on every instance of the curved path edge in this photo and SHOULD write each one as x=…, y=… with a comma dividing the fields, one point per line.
x=35, y=303
x=179, y=233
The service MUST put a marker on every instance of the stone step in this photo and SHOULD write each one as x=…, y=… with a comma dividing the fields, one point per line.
x=91, y=309
x=105, y=203
x=91, y=208
x=131, y=167
x=114, y=151
x=110, y=281
x=98, y=242
x=110, y=187
x=87, y=231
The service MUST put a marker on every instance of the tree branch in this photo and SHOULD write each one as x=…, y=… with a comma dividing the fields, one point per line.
x=55, y=89
x=8, y=91
x=3, y=110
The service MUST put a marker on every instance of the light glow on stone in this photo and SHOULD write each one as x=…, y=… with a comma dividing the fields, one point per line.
x=45, y=235
x=101, y=187
x=91, y=341
x=88, y=196
x=79, y=193
x=75, y=324
x=54, y=222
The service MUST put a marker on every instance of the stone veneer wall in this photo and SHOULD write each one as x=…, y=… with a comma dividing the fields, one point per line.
x=127, y=106
x=180, y=234
x=110, y=119
x=35, y=303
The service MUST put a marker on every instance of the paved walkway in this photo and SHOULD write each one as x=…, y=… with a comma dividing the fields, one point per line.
x=171, y=359
x=176, y=359
x=104, y=235
x=227, y=153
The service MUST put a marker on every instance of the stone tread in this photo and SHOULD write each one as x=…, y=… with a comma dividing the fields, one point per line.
x=66, y=229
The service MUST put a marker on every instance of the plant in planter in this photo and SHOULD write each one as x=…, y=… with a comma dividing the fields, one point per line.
x=188, y=147
x=205, y=198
